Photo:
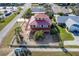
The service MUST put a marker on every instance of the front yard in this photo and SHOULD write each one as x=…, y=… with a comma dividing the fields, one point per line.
x=64, y=34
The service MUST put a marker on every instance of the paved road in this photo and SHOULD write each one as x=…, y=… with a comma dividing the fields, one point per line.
x=5, y=30
x=47, y=50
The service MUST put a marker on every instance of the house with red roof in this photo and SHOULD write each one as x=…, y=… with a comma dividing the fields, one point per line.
x=40, y=21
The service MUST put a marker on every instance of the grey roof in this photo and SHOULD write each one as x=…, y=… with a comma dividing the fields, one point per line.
x=37, y=9
x=63, y=19
x=70, y=22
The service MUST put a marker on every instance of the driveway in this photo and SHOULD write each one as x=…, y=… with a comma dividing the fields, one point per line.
x=5, y=30
x=76, y=39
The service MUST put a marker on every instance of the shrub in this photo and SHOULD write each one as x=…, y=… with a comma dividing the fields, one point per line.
x=61, y=14
x=17, y=39
x=17, y=30
x=50, y=14
x=53, y=31
x=38, y=35
x=17, y=33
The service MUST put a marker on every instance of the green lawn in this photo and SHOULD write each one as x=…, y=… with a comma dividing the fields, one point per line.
x=8, y=19
x=53, y=53
x=71, y=46
x=64, y=35
x=53, y=20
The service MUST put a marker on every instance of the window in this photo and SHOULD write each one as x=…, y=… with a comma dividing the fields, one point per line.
x=33, y=26
x=45, y=26
x=39, y=26
x=42, y=26
x=46, y=18
x=43, y=18
x=36, y=19
x=39, y=18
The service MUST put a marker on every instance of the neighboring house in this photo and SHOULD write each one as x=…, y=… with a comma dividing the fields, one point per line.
x=11, y=9
x=59, y=9
x=40, y=21
x=71, y=22
x=38, y=9
x=72, y=25
x=60, y=20
x=14, y=9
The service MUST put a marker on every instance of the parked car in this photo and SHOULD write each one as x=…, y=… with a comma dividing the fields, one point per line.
x=66, y=15
x=22, y=52
x=7, y=14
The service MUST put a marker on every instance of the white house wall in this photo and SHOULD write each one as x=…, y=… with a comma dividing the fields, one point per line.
x=70, y=22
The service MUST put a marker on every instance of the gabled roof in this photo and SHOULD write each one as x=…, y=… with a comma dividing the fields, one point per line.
x=43, y=21
x=41, y=15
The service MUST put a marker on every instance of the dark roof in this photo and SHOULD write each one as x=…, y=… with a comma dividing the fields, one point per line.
x=37, y=9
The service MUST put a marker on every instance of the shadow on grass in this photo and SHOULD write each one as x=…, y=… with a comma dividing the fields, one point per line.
x=64, y=49
x=61, y=44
